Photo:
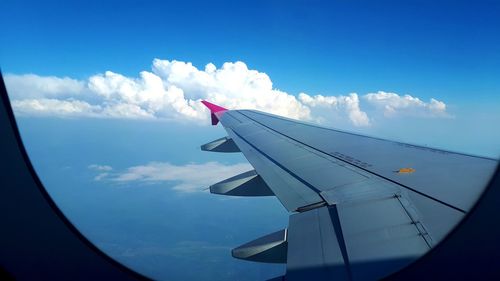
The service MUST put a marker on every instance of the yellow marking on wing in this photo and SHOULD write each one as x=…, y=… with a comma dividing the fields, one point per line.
x=406, y=170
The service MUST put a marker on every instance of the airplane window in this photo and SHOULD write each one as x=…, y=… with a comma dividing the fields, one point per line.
x=108, y=100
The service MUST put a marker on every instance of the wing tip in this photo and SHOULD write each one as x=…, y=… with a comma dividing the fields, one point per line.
x=213, y=110
x=213, y=107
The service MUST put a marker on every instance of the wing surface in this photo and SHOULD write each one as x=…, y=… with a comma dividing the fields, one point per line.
x=361, y=207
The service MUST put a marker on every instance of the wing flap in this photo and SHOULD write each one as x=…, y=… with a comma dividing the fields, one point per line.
x=353, y=241
x=224, y=144
x=271, y=248
x=309, y=234
x=245, y=184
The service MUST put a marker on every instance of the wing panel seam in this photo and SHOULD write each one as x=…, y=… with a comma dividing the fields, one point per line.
x=414, y=222
x=334, y=216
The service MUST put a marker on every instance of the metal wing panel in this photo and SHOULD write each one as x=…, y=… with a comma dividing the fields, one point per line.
x=314, y=252
x=379, y=229
x=380, y=237
x=438, y=218
x=291, y=192
x=297, y=158
x=438, y=172
x=353, y=241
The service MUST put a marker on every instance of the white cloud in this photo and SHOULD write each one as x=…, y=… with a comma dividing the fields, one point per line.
x=172, y=90
x=45, y=106
x=34, y=86
x=186, y=178
x=104, y=168
x=101, y=176
x=393, y=104
x=77, y=108
x=232, y=86
x=348, y=104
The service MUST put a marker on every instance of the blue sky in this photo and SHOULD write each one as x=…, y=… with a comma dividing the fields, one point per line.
x=427, y=48
x=106, y=144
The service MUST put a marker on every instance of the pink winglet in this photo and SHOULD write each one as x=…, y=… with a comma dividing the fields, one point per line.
x=213, y=109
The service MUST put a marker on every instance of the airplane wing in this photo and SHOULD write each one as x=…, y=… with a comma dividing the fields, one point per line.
x=360, y=207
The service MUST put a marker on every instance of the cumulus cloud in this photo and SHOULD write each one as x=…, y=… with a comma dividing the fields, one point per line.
x=45, y=106
x=172, y=90
x=348, y=104
x=77, y=108
x=393, y=104
x=34, y=86
x=186, y=178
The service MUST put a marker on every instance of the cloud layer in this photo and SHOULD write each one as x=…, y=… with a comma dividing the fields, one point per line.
x=393, y=104
x=185, y=178
x=172, y=90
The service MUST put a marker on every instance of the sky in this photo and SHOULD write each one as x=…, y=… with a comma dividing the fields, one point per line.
x=107, y=96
